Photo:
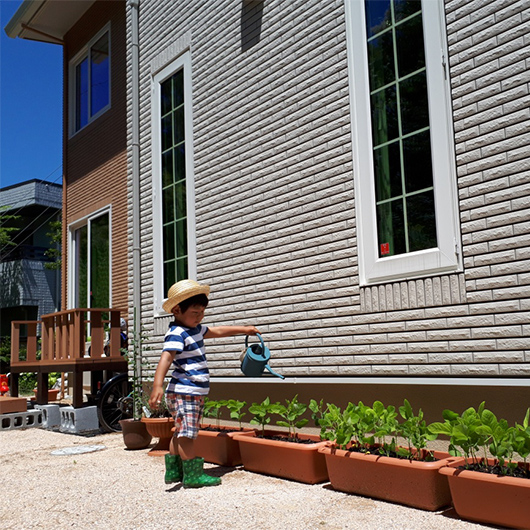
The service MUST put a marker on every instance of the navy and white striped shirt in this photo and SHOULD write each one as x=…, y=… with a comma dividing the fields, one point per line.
x=190, y=371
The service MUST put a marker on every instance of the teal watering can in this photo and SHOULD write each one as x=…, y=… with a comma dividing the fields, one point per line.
x=255, y=359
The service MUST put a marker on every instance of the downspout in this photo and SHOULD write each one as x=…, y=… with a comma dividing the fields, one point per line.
x=135, y=126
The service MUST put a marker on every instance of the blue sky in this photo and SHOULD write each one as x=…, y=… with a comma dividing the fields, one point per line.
x=30, y=106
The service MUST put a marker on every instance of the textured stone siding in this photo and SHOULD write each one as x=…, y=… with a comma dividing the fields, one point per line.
x=275, y=201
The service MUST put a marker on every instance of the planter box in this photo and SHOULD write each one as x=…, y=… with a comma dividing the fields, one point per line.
x=408, y=482
x=220, y=446
x=9, y=404
x=294, y=461
x=491, y=499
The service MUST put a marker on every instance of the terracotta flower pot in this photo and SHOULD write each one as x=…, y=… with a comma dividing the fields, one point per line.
x=135, y=435
x=290, y=460
x=53, y=394
x=160, y=428
x=219, y=446
x=410, y=482
x=487, y=498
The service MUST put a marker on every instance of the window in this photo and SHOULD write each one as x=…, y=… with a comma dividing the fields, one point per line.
x=90, y=82
x=90, y=263
x=404, y=161
x=173, y=176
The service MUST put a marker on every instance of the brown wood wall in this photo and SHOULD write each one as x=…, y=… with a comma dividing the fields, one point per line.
x=95, y=159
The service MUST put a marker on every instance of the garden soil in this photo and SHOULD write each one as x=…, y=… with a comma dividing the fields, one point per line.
x=49, y=482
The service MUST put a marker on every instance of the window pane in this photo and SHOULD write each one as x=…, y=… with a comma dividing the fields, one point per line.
x=169, y=275
x=421, y=221
x=391, y=228
x=165, y=97
x=405, y=8
x=381, y=60
x=167, y=168
x=413, y=102
x=377, y=16
x=178, y=125
x=99, y=75
x=384, y=116
x=167, y=133
x=81, y=95
x=99, y=262
x=180, y=192
x=178, y=88
x=81, y=271
x=168, y=207
x=409, y=42
x=182, y=269
x=181, y=229
x=417, y=162
x=387, y=168
x=180, y=162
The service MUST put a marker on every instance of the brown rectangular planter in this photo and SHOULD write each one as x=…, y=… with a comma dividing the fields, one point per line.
x=290, y=460
x=409, y=482
x=487, y=498
x=219, y=446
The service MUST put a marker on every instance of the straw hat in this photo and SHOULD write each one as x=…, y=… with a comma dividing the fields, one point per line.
x=182, y=291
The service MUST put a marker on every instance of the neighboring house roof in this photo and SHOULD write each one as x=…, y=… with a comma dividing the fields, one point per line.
x=31, y=192
x=46, y=21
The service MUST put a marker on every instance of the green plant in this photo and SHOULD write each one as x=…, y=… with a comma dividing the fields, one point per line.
x=415, y=431
x=291, y=413
x=235, y=407
x=262, y=413
x=212, y=409
x=160, y=411
x=385, y=425
x=337, y=425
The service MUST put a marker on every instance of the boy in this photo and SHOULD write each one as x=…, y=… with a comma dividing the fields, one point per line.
x=190, y=380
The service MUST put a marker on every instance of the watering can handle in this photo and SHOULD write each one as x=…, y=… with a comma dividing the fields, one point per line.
x=259, y=337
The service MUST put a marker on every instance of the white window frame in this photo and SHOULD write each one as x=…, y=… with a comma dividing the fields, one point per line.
x=446, y=257
x=181, y=62
x=77, y=59
x=72, y=254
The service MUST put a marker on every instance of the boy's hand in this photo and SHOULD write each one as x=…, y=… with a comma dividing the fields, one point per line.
x=156, y=397
x=252, y=330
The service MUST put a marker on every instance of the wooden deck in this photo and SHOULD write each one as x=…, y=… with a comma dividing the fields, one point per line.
x=63, y=349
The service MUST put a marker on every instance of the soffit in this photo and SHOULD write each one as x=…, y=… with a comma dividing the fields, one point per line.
x=46, y=20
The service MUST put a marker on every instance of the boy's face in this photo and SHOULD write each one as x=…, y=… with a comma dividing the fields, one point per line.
x=191, y=318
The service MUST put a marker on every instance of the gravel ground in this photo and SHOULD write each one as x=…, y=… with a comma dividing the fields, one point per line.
x=117, y=488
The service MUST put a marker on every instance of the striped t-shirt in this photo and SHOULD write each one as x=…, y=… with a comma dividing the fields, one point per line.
x=190, y=371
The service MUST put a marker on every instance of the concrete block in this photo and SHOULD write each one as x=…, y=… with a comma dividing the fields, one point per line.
x=79, y=420
x=51, y=416
x=10, y=404
x=21, y=420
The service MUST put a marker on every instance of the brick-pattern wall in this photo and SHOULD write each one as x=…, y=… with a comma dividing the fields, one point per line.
x=95, y=160
x=275, y=202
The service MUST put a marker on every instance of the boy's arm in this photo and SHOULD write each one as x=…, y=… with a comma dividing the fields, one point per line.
x=157, y=393
x=229, y=331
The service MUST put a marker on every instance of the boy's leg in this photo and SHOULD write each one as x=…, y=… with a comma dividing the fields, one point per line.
x=194, y=476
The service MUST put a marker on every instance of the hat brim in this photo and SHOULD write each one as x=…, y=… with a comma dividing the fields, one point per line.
x=173, y=301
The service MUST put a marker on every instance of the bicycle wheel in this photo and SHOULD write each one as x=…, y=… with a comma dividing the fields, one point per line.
x=114, y=403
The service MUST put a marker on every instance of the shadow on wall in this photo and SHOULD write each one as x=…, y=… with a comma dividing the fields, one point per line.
x=251, y=16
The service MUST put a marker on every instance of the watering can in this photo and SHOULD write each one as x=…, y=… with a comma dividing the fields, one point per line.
x=255, y=359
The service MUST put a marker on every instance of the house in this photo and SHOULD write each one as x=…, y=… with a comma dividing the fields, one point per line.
x=351, y=177
x=28, y=289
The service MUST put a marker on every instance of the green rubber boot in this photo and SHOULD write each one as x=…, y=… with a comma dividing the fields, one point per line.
x=194, y=475
x=173, y=469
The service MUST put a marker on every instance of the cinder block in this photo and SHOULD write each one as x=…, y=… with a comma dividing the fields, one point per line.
x=79, y=420
x=51, y=416
x=21, y=420
x=12, y=404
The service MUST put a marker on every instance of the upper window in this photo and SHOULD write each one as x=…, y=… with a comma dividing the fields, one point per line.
x=404, y=173
x=90, y=81
x=173, y=176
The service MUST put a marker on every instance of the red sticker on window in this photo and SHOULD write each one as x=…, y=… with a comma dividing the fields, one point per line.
x=385, y=249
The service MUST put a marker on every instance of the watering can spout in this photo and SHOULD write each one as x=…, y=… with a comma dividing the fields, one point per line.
x=255, y=359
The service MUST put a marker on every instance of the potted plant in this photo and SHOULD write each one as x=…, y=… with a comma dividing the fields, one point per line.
x=365, y=459
x=216, y=443
x=291, y=455
x=134, y=431
x=493, y=490
x=159, y=424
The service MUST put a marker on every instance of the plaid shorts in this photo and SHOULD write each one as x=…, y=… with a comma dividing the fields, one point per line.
x=187, y=412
